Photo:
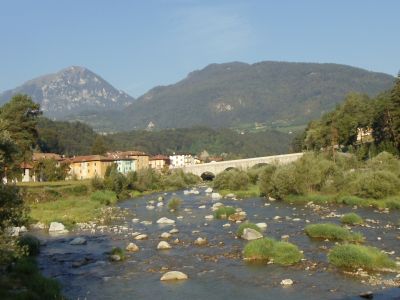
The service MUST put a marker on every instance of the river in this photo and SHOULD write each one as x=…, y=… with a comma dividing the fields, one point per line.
x=215, y=271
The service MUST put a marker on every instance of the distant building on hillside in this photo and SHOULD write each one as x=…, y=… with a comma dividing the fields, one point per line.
x=159, y=162
x=89, y=166
x=142, y=159
x=179, y=161
x=364, y=135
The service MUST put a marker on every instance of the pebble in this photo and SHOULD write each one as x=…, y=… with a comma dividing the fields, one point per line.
x=132, y=247
x=286, y=282
x=163, y=245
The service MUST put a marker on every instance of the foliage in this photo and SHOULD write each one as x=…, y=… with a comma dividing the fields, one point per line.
x=99, y=147
x=244, y=225
x=177, y=180
x=223, y=212
x=350, y=256
x=332, y=232
x=97, y=183
x=174, y=203
x=351, y=219
x=50, y=170
x=104, y=197
x=25, y=275
x=30, y=243
x=147, y=179
x=265, y=249
x=232, y=180
x=118, y=251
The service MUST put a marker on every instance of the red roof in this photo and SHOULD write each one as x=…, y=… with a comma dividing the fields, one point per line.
x=160, y=157
x=85, y=158
x=25, y=165
x=125, y=154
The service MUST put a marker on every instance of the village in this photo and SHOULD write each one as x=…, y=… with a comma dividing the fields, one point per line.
x=91, y=166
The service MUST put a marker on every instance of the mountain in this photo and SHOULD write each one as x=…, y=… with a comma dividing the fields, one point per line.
x=70, y=91
x=235, y=94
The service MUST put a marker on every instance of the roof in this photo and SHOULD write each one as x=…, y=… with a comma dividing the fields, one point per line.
x=25, y=165
x=84, y=158
x=39, y=156
x=125, y=154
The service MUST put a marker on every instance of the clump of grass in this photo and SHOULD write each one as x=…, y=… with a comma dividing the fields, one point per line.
x=265, y=249
x=118, y=251
x=351, y=219
x=332, y=232
x=351, y=256
x=104, y=197
x=223, y=212
x=303, y=199
x=174, y=203
x=247, y=225
x=30, y=243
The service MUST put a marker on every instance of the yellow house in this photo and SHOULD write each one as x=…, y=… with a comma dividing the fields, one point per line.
x=89, y=166
x=159, y=162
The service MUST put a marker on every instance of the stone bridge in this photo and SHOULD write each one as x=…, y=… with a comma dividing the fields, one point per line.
x=243, y=164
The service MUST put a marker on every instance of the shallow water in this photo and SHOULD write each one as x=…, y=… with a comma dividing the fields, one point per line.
x=215, y=271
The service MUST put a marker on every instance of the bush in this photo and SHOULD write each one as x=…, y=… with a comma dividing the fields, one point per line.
x=247, y=225
x=356, y=256
x=104, y=197
x=352, y=219
x=174, y=203
x=385, y=161
x=147, y=180
x=282, y=253
x=332, y=232
x=77, y=190
x=232, y=180
x=30, y=243
x=123, y=195
x=97, y=183
x=284, y=182
x=178, y=180
x=223, y=212
x=265, y=179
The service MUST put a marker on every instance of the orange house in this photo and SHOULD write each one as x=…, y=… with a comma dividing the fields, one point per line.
x=89, y=166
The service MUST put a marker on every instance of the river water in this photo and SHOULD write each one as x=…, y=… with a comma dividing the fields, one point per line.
x=215, y=271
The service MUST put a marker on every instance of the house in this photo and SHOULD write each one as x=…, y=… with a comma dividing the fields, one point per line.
x=126, y=165
x=364, y=135
x=27, y=172
x=142, y=159
x=89, y=166
x=159, y=162
x=179, y=161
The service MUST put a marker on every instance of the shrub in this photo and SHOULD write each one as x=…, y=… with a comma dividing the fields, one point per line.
x=77, y=190
x=282, y=253
x=174, y=203
x=284, y=182
x=332, y=232
x=97, y=183
x=223, y=212
x=265, y=179
x=232, y=180
x=385, y=161
x=374, y=184
x=352, y=219
x=123, y=195
x=147, y=179
x=247, y=225
x=356, y=256
x=104, y=197
x=30, y=243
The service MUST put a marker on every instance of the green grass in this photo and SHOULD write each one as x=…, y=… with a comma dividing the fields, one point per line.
x=247, y=225
x=350, y=256
x=252, y=191
x=315, y=198
x=23, y=281
x=30, y=243
x=174, y=203
x=333, y=232
x=67, y=211
x=104, y=197
x=118, y=251
x=223, y=212
x=265, y=249
x=351, y=219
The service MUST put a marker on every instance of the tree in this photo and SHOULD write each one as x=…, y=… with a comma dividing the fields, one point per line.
x=50, y=170
x=98, y=147
x=19, y=120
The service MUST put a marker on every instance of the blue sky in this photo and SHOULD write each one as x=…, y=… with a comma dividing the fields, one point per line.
x=136, y=45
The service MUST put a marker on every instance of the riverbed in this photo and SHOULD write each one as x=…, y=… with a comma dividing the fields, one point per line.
x=216, y=270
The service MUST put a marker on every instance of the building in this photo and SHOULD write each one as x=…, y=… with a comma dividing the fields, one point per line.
x=27, y=173
x=364, y=135
x=159, y=162
x=126, y=165
x=142, y=159
x=179, y=161
x=89, y=166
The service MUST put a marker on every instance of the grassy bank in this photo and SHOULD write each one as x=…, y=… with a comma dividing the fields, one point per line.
x=249, y=192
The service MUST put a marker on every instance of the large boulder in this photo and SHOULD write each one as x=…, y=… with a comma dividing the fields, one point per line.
x=216, y=196
x=132, y=247
x=174, y=275
x=250, y=234
x=165, y=220
x=56, y=227
x=209, y=190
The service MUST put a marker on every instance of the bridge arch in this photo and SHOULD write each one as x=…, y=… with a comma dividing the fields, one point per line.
x=207, y=176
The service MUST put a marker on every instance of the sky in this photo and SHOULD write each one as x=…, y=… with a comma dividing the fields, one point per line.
x=137, y=45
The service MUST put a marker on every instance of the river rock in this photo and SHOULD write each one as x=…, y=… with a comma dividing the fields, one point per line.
x=286, y=282
x=285, y=238
x=202, y=206
x=78, y=241
x=150, y=207
x=165, y=220
x=209, y=190
x=250, y=234
x=209, y=217
x=16, y=231
x=174, y=275
x=56, y=227
x=165, y=235
x=160, y=198
x=132, y=247
x=141, y=237
x=238, y=216
x=38, y=226
x=186, y=192
x=226, y=225
x=163, y=245
x=230, y=195
x=135, y=220
x=159, y=204
x=262, y=226
x=173, y=230
x=216, y=196
x=176, y=241
x=200, y=241
x=115, y=257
